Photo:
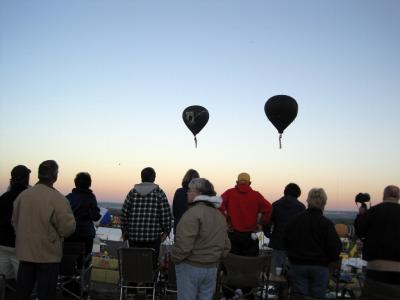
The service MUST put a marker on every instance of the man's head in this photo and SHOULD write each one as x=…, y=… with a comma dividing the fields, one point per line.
x=83, y=180
x=293, y=190
x=243, y=178
x=317, y=198
x=148, y=175
x=19, y=176
x=48, y=171
x=391, y=193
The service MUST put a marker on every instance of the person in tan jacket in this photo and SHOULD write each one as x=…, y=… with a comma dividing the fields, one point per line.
x=201, y=242
x=42, y=218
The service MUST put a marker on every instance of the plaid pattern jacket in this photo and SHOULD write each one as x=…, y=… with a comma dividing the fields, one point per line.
x=146, y=217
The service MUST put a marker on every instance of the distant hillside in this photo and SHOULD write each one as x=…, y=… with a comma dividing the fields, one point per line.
x=344, y=217
x=336, y=216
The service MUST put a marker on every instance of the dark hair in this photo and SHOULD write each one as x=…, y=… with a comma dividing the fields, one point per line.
x=190, y=174
x=292, y=189
x=148, y=175
x=83, y=180
x=20, y=176
x=362, y=197
x=48, y=170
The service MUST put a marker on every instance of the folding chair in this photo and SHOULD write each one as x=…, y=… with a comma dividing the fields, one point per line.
x=2, y=286
x=70, y=275
x=245, y=272
x=136, y=270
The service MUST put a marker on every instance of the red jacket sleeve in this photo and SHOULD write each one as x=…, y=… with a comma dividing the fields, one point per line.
x=265, y=209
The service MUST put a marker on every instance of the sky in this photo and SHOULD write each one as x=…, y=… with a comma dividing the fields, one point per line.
x=100, y=86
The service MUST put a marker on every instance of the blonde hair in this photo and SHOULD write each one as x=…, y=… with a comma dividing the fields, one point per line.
x=317, y=198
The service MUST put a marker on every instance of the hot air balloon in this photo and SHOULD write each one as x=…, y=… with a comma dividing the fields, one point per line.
x=281, y=110
x=195, y=118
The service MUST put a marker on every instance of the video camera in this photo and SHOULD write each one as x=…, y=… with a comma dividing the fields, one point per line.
x=362, y=198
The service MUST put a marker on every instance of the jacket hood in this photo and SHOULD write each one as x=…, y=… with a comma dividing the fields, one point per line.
x=145, y=188
x=214, y=200
x=243, y=188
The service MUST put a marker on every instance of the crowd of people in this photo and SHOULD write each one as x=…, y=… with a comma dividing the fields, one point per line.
x=36, y=220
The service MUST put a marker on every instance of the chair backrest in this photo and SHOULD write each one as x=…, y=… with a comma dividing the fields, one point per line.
x=71, y=253
x=245, y=271
x=136, y=264
x=2, y=286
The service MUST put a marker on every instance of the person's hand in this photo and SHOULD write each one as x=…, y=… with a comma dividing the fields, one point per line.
x=125, y=235
x=163, y=236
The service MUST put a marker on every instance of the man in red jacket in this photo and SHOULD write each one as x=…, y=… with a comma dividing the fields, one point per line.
x=246, y=211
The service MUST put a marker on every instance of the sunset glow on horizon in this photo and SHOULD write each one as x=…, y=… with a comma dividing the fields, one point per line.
x=100, y=86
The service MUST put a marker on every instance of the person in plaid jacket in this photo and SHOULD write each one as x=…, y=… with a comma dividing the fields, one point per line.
x=146, y=215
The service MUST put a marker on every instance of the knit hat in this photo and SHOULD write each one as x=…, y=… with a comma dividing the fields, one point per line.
x=244, y=177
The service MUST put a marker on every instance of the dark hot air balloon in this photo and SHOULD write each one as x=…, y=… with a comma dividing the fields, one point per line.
x=281, y=110
x=195, y=118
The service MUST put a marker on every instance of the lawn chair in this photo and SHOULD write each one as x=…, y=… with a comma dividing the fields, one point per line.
x=73, y=279
x=136, y=270
x=245, y=272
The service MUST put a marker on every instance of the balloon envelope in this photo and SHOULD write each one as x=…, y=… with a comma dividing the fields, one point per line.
x=195, y=118
x=281, y=110
x=342, y=230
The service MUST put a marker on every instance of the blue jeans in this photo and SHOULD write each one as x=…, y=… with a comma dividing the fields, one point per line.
x=278, y=259
x=309, y=280
x=195, y=283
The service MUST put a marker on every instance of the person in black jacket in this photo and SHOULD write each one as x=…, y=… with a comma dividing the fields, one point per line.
x=180, y=201
x=312, y=243
x=19, y=181
x=283, y=210
x=84, y=206
x=379, y=228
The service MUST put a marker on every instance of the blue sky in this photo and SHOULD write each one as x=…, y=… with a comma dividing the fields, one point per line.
x=100, y=86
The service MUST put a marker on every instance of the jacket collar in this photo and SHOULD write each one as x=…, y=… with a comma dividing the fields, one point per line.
x=214, y=200
x=243, y=188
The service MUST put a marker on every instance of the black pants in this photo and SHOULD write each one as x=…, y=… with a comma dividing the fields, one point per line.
x=45, y=274
x=243, y=244
x=88, y=241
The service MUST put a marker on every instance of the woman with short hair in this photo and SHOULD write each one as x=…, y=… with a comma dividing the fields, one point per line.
x=312, y=243
x=84, y=206
x=201, y=242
